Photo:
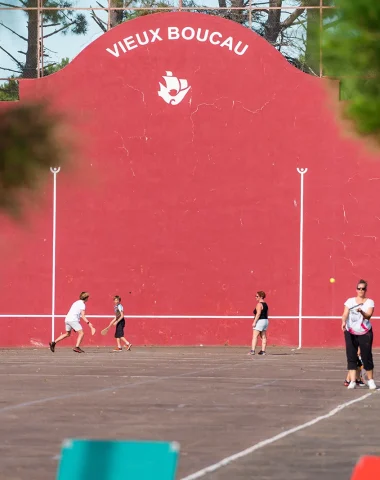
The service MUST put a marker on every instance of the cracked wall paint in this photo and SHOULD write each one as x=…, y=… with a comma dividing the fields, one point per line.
x=195, y=206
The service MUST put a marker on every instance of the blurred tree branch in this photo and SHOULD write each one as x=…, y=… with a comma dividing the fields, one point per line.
x=30, y=143
x=352, y=52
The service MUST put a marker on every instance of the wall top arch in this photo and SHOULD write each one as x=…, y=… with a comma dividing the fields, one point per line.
x=180, y=38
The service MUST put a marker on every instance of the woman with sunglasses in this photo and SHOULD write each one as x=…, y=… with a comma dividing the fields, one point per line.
x=358, y=333
x=260, y=323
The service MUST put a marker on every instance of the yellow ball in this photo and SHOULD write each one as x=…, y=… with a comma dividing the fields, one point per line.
x=332, y=280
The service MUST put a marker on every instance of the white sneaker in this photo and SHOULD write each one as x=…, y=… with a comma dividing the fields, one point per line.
x=371, y=384
x=352, y=385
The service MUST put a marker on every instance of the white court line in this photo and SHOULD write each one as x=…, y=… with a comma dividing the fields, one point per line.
x=131, y=362
x=225, y=317
x=264, y=443
x=143, y=316
x=155, y=376
x=150, y=364
x=260, y=385
x=109, y=389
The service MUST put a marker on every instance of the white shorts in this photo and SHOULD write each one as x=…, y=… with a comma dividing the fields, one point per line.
x=73, y=325
x=261, y=325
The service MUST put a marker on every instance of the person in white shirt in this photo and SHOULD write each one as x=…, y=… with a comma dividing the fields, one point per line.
x=358, y=333
x=72, y=322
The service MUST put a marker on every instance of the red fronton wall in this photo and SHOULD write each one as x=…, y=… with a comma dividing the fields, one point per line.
x=185, y=191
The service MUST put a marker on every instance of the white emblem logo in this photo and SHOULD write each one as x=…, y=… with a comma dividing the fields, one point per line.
x=175, y=89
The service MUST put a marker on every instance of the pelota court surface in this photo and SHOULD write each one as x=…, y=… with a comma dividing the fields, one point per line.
x=216, y=402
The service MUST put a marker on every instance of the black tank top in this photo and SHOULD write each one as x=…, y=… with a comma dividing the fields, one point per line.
x=264, y=311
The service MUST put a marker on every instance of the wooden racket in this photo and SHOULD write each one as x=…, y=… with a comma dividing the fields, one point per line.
x=105, y=331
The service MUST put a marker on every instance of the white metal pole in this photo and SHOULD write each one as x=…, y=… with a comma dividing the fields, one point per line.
x=54, y=171
x=302, y=172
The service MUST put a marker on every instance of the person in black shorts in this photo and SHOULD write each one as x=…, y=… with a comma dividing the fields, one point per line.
x=119, y=321
x=260, y=323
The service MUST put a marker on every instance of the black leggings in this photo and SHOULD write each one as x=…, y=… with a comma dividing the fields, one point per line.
x=365, y=343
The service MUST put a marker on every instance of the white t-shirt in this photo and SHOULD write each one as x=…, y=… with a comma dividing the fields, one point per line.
x=356, y=323
x=74, y=312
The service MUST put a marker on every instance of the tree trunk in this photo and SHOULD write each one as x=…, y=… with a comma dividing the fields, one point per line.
x=272, y=27
x=116, y=16
x=31, y=61
x=238, y=16
x=313, y=42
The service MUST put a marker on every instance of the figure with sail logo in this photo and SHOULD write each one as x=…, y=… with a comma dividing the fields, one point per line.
x=174, y=90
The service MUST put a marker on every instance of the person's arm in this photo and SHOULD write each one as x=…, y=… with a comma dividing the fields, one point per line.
x=113, y=322
x=259, y=309
x=368, y=314
x=344, y=318
x=116, y=320
x=83, y=316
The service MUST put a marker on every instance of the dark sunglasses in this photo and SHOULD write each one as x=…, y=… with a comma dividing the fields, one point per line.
x=361, y=288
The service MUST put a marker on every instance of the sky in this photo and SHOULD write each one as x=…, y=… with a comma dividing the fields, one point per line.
x=59, y=46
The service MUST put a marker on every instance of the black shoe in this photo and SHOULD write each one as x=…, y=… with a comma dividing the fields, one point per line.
x=78, y=350
x=261, y=352
x=52, y=346
x=360, y=383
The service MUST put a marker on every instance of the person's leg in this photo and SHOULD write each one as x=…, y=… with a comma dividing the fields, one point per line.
x=121, y=331
x=77, y=327
x=365, y=342
x=60, y=338
x=263, y=336
x=254, y=339
x=352, y=356
x=118, y=335
x=79, y=338
x=127, y=344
